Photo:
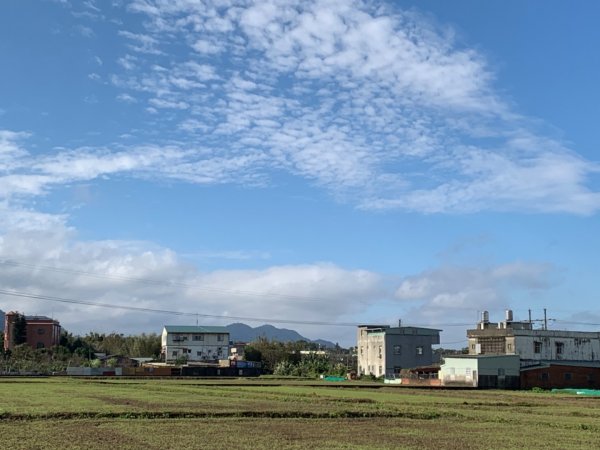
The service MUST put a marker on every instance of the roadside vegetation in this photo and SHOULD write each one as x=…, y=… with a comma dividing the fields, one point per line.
x=76, y=351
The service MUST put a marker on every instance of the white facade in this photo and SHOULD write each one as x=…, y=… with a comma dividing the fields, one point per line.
x=195, y=343
x=468, y=370
x=371, y=352
x=558, y=345
x=519, y=338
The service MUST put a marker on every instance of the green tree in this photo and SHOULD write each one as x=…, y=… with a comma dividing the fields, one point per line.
x=20, y=329
x=252, y=354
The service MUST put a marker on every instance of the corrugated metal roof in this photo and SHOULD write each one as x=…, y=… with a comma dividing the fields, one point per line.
x=195, y=329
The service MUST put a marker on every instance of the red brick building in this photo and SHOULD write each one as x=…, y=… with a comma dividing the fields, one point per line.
x=41, y=331
x=561, y=375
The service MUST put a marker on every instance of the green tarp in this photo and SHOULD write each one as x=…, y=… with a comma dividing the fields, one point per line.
x=588, y=392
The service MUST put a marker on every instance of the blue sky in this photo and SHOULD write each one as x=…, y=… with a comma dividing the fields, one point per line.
x=326, y=161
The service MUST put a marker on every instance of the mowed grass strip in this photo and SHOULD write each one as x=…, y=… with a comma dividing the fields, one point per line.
x=123, y=409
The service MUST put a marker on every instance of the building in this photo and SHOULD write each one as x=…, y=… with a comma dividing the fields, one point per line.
x=195, y=343
x=561, y=375
x=511, y=337
x=385, y=351
x=481, y=371
x=40, y=331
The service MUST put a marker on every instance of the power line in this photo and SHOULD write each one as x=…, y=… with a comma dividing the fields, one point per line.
x=570, y=322
x=186, y=313
x=150, y=281
x=165, y=311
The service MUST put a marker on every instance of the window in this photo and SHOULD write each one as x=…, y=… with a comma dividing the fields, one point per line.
x=419, y=350
x=361, y=350
x=568, y=376
x=501, y=372
x=472, y=346
x=40, y=345
x=380, y=370
x=175, y=353
x=219, y=337
x=397, y=349
x=537, y=347
x=40, y=331
x=198, y=353
x=560, y=346
x=544, y=376
x=219, y=350
x=380, y=352
x=509, y=347
x=198, y=337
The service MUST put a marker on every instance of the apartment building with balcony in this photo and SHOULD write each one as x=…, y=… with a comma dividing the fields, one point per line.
x=195, y=343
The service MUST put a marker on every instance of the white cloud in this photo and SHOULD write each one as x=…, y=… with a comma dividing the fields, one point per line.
x=126, y=98
x=142, y=275
x=127, y=62
x=449, y=291
x=85, y=31
x=162, y=103
x=141, y=43
x=203, y=46
x=27, y=175
x=383, y=107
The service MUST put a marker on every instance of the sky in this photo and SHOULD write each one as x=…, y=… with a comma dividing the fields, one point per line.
x=310, y=164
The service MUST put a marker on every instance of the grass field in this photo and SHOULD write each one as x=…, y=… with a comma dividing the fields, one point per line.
x=167, y=414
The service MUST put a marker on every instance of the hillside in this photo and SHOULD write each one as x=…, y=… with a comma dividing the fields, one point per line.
x=245, y=333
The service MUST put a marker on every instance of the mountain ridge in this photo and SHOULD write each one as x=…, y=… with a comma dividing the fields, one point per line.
x=245, y=333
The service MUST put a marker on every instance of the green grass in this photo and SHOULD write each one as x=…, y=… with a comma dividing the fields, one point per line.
x=89, y=413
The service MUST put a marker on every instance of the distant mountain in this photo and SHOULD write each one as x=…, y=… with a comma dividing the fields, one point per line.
x=244, y=333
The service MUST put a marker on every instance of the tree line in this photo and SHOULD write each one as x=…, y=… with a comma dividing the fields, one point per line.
x=74, y=351
x=288, y=359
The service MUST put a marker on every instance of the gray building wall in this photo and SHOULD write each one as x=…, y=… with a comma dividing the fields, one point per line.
x=401, y=348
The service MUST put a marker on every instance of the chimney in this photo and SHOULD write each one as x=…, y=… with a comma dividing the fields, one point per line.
x=399, y=323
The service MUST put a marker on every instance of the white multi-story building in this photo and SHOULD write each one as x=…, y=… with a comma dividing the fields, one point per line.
x=511, y=337
x=195, y=343
x=385, y=351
